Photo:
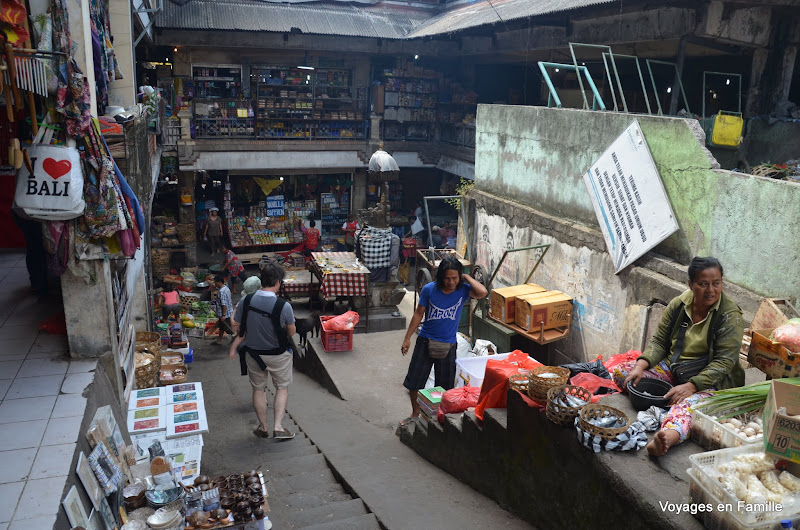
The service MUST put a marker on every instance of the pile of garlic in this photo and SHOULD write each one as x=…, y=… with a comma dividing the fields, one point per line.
x=749, y=426
x=752, y=478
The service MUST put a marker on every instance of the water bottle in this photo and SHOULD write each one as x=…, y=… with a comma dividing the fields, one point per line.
x=787, y=524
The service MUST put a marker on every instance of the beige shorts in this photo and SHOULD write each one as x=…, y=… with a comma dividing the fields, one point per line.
x=278, y=366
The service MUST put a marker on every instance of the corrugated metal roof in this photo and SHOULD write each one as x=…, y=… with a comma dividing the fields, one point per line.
x=482, y=12
x=392, y=22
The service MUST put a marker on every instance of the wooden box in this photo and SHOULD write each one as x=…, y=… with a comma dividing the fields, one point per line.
x=546, y=310
x=503, y=301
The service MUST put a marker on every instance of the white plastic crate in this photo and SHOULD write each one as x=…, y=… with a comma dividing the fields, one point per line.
x=729, y=520
x=471, y=370
x=709, y=433
x=704, y=467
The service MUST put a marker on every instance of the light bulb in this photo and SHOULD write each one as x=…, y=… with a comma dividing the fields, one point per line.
x=669, y=90
x=175, y=50
x=727, y=81
x=558, y=70
x=416, y=56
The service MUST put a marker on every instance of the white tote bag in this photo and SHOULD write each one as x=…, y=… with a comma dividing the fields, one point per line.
x=54, y=191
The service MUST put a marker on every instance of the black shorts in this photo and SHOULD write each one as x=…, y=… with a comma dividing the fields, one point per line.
x=420, y=367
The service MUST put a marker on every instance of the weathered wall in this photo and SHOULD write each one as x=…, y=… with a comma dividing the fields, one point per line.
x=536, y=156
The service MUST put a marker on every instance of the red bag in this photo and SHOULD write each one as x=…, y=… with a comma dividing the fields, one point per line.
x=616, y=360
x=593, y=383
x=495, y=382
x=55, y=325
x=344, y=322
x=458, y=400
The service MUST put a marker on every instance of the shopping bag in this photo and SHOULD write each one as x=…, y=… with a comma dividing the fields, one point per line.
x=495, y=381
x=54, y=190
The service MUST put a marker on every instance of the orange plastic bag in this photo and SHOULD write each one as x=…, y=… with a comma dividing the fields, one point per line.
x=495, y=382
x=344, y=322
x=457, y=400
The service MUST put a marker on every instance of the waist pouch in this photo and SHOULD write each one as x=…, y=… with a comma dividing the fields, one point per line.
x=685, y=370
x=437, y=349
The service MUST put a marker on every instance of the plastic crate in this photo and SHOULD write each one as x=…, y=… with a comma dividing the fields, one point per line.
x=712, y=435
x=704, y=470
x=725, y=519
x=335, y=340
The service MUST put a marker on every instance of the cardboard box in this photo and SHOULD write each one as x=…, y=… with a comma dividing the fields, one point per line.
x=771, y=357
x=782, y=431
x=503, y=301
x=553, y=309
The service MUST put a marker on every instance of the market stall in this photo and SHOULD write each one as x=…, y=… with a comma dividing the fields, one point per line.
x=340, y=274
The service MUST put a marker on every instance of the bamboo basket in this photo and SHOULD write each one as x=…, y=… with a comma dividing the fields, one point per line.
x=538, y=386
x=564, y=415
x=159, y=271
x=594, y=411
x=186, y=233
x=173, y=375
x=150, y=341
x=159, y=257
x=146, y=370
x=519, y=382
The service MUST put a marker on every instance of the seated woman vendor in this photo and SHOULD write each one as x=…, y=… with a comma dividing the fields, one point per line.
x=695, y=348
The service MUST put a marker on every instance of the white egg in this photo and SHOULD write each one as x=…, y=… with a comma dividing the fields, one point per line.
x=749, y=431
x=753, y=425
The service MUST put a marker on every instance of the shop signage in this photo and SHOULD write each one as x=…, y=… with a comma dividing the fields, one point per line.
x=275, y=206
x=329, y=200
x=629, y=199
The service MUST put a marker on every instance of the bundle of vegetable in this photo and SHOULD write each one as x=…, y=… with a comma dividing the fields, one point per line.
x=752, y=478
x=735, y=401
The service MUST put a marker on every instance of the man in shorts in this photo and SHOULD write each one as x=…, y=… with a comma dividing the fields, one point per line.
x=267, y=325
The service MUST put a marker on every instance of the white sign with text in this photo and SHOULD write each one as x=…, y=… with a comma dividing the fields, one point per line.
x=629, y=198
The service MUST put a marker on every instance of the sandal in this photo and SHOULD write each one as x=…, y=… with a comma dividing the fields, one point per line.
x=261, y=434
x=284, y=434
x=408, y=421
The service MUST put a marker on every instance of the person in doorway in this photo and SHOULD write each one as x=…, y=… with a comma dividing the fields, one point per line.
x=350, y=227
x=213, y=231
x=310, y=237
x=170, y=303
x=224, y=308
x=233, y=265
x=695, y=349
x=264, y=347
x=440, y=303
x=447, y=233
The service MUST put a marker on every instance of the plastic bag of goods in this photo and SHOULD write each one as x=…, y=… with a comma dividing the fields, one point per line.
x=484, y=347
x=344, y=322
x=458, y=400
x=788, y=334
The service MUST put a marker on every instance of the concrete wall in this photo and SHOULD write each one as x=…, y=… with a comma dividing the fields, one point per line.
x=536, y=157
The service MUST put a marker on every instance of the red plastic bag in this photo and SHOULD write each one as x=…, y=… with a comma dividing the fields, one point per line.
x=788, y=334
x=458, y=400
x=344, y=322
x=616, y=360
x=495, y=382
x=55, y=325
x=593, y=383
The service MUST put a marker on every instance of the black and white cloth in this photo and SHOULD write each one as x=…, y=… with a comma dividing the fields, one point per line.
x=631, y=440
x=374, y=247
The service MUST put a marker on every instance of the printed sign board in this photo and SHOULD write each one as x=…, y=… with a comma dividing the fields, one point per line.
x=629, y=198
x=275, y=206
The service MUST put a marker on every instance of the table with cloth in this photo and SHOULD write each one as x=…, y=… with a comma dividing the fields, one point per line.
x=340, y=274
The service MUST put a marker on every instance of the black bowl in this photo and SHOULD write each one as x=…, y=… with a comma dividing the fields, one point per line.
x=655, y=387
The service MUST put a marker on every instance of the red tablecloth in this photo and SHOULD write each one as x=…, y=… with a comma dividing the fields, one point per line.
x=350, y=283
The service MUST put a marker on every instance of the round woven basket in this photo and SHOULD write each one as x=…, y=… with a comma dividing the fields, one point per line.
x=519, y=382
x=186, y=233
x=146, y=370
x=159, y=257
x=559, y=413
x=594, y=411
x=148, y=340
x=538, y=385
x=159, y=271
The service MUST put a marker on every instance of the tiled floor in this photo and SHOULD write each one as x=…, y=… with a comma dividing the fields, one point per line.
x=41, y=406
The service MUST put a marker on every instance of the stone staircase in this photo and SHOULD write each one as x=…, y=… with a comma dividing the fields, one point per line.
x=303, y=490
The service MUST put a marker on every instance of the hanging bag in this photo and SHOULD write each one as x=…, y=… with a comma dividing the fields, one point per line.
x=54, y=190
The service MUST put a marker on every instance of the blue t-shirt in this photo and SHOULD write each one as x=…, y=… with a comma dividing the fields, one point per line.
x=443, y=311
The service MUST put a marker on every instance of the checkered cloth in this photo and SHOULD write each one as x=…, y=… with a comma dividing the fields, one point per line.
x=350, y=283
x=375, y=249
x=295, y=287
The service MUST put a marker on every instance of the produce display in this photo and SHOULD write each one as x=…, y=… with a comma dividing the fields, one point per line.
x=748, y=425
x=753, y=478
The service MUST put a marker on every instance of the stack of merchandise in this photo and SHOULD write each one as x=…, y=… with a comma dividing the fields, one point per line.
x=428, y=400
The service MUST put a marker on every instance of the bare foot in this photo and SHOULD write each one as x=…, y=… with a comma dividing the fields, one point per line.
x=662, y=441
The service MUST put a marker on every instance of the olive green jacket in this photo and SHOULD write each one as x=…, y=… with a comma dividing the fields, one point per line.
x=723, y=369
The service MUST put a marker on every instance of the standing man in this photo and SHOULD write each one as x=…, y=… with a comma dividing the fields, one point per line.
x=234, y=266
x=441, y=303
x=267, y=323
x=224, y=308
x=350, y=227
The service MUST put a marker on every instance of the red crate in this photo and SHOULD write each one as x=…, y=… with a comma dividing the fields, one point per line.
x=335, y=340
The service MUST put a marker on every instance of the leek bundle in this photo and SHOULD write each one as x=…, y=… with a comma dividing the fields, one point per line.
x=734, y=401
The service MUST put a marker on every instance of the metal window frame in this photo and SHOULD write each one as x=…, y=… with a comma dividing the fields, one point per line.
x=650, y=62
x=553, y=96
x=638, y=69
x=572, y=46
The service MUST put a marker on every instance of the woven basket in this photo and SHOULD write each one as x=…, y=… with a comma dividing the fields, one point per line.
x=159, y=271
x=595, y=410
x=519, y=382
x=186, y=233
x=159, y=257
x=538, y=386
x=564, y=415
x=173, y=279
x=177, y=375
x=150, y=341
x=146, y=370
x=191, y=255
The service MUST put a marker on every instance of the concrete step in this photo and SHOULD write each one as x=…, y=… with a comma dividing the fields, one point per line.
x=315, y=497
x=301, y=482
x=290, y=452
x=270, y=445
x=327, y=513
x=294, y=466
x=361, y=522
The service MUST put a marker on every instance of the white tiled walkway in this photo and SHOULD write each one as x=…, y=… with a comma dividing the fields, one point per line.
x=41, y=406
